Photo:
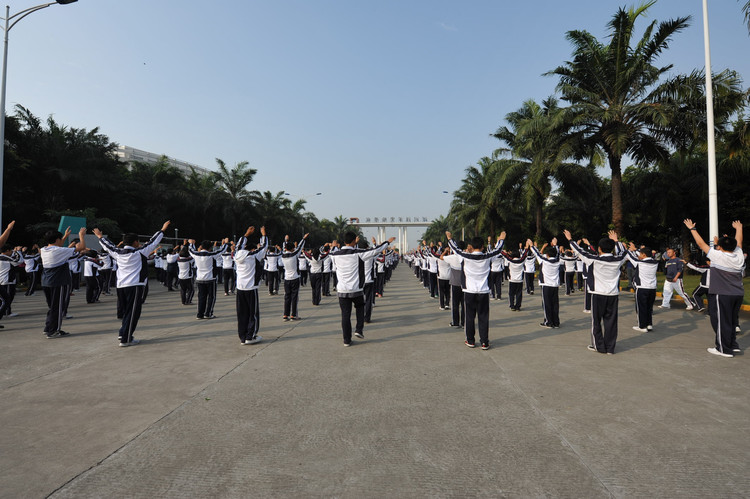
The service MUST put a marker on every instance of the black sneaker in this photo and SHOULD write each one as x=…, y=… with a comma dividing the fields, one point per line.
x=53, y=335
x=62, y=334
x=485, y=346
x=545, y=325
x=359, y=335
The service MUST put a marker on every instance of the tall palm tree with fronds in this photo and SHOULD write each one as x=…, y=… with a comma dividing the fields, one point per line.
x=234, y=182
x=473, y=204
x=746, y=11
x=613, y=87
x=537, y=147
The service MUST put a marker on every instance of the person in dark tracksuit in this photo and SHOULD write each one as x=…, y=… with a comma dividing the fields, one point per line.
x=32, y=260
x=474, y=282
x=701, y=289
x=10, y=259
x=603, y=283
x=549, y=281
x=185, y=275
x=725, y=290
x=132, y=274
x=458, y=312
x=248, y=264
x=350, y=268
x=290, y=257
x=516, y=262
x=644, y=282
x=205, y=278
x=57, y=279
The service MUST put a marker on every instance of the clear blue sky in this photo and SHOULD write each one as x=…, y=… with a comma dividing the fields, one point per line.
x=380, y=105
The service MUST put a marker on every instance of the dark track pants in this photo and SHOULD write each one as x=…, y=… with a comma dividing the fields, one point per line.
x=248, y=314
x=458, y=311
x=722, y=310
x=604, y=322
x=644, y=306
x=515, y=294
x=477, y=309
x=57, y=303
x=551, y=305
x=291, y=297
x=206, y=298
x=346, y=315
x=131, y=311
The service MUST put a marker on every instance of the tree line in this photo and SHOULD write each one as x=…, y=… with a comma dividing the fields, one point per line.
x=53, y=170
x=618, y=105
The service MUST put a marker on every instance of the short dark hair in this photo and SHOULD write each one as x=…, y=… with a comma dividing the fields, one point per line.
x=646, y=251
x=51, y=236
x=206, y=244
x=129, y=238
x=184, y=252
x=550, y=251
x=727, y=243
x=461, y=245
x=349, y=237
x=606, y=245
x=477, y=242
x=363, y=244
x=6, y=247
x=289, y=246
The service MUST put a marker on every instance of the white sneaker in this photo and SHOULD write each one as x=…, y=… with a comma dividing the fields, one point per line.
x=649, y=328
x=737, y=330
x=736, y=350
x=124, y=344
x=720, y=354
x=689, y=307
x=664, y=306
x=256, y=339
x=13, y=315
x=640, y=329
x=586, y=311
x=134, y=342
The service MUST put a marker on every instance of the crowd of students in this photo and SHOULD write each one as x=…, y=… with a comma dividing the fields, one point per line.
x=463, y=276
x=469, y=274
x=356, y=271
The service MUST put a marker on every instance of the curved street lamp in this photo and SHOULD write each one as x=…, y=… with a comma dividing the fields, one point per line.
x=15, y=18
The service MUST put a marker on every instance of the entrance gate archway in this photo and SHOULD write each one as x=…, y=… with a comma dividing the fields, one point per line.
x=403, y=224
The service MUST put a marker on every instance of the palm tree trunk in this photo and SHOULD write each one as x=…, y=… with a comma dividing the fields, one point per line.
x=617, y=217
x=539, y=212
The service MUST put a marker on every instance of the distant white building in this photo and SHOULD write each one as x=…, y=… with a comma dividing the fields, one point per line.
x=128, y=154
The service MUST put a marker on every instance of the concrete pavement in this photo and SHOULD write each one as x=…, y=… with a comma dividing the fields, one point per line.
x=408, y=412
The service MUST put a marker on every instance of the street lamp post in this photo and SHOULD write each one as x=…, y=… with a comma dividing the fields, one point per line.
x=713, y=197
x=15, y=18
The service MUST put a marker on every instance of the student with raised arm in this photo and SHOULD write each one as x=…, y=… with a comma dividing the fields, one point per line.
x=725, y=290
x=644, y=282
x=205, y=259
x=516, y=262
x=350, y=264
x=248, y=263
x=316, y=259
x=549, y=281
x=476, y=270
x=603, y=284
x=56, y=277
x=290, y=257
x=132, y=273
x=701, y=289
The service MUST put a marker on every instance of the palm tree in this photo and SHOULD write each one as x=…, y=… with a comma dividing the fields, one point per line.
x=234, y=182
x=473, y=203
x=538, y=144
x=746, y=11
x=612, y=88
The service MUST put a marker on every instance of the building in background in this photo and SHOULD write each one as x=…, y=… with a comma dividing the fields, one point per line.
x=129, y=155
